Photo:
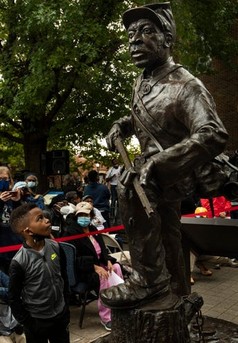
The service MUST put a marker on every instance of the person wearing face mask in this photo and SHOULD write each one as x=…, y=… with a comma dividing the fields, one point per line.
x=9, y=200
x=96, y=218
x=94, y=265
x=31, y=195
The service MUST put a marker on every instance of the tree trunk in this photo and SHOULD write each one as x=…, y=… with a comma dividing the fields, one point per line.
x=152, y=325
x=34, y=150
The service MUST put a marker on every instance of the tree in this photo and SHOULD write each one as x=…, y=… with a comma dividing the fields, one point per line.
x=57, y=71
x=214, y=52
x=65, y=74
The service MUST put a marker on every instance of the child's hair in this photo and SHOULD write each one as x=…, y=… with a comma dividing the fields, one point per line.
x=18, y=216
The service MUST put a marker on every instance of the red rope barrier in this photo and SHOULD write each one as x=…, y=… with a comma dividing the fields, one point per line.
x=67, y=238
x=111, y=229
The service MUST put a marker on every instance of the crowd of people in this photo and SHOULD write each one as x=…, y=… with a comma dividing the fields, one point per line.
x=36, y=293
x=26, y=219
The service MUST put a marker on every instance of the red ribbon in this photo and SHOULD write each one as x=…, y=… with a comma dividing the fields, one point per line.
x=66, y=239
x=110, y=229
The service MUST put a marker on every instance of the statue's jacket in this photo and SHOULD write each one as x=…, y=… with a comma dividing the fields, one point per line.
x=173, y=109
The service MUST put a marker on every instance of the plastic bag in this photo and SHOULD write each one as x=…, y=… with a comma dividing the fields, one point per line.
x=7, y=321
x=114, y=279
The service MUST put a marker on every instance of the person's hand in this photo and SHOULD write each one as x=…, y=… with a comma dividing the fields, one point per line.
x=222, y=214
x=109, y=266
x=113, y=134
x=145, y=172
x=127, y=177
x=8, y=195
x=5, y=196
x=103, y=273
x=16, y=196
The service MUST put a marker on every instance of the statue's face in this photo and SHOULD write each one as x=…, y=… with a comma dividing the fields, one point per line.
x=147, y=44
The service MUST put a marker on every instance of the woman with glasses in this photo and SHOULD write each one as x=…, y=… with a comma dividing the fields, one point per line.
x=8, y=201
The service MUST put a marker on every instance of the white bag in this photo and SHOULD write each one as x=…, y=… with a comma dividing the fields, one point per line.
x=7, y=321
x=114, y=279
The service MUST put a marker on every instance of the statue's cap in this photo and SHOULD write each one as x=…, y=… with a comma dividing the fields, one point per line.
x=160, y=14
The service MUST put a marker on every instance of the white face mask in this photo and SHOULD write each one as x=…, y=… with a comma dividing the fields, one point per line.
x=67, y=209
x=31, y=184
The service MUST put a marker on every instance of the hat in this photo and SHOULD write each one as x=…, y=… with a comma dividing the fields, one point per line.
x=160, y=14
x=20, y=184
x=57, y=198
x=201, y=211
x=83, y=207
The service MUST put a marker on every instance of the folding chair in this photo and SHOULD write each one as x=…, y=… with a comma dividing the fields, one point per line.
x=122, y=256
x=80, y=288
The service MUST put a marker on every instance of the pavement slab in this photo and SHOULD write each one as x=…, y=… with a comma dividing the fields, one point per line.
x=219, y=292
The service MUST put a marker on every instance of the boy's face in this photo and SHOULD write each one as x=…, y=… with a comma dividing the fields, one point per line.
x=37, y=223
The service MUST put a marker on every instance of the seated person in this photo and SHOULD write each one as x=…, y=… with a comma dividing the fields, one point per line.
x=32, y=183
x=27, y=194
x=97, y=218
x=53, y=212
x=73, y=197
x=93, y=262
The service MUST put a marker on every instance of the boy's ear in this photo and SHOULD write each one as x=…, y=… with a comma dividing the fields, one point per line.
x=28, y=231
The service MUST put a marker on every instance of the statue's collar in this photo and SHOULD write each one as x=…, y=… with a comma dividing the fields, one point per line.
x=162, y=70
x=144, y=85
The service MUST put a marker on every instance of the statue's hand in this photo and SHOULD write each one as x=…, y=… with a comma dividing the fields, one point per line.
x=113, y=134
x=145, y=172
x=127, y=177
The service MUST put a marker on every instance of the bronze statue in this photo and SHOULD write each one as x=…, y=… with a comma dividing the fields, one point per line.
x=175, y=120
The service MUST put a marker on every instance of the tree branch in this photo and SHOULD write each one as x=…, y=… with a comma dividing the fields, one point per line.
x=10, y=137
x=61, y=98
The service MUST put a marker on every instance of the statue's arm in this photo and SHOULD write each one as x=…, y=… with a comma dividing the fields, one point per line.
x=122, y=129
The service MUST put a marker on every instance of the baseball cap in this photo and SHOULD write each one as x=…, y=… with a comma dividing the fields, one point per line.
x=160, y=13
x=83, y=207
x=201, y=211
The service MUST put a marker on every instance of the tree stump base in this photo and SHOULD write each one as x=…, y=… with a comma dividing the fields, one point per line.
x=152, y=323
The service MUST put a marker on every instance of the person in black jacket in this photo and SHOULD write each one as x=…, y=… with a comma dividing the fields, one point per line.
x=8, y=201
x=94, y=265
x=38, y=287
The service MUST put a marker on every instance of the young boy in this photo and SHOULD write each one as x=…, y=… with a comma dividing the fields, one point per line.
x=38, y=283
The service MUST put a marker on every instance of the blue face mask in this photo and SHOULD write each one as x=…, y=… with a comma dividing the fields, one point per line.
x=4, y=185
x=83, y=221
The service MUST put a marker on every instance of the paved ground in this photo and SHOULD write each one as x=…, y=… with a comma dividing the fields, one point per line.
x=219, y=291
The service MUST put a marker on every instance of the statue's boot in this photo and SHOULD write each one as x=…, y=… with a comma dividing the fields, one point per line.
x=132, y=294
x=192, y=303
